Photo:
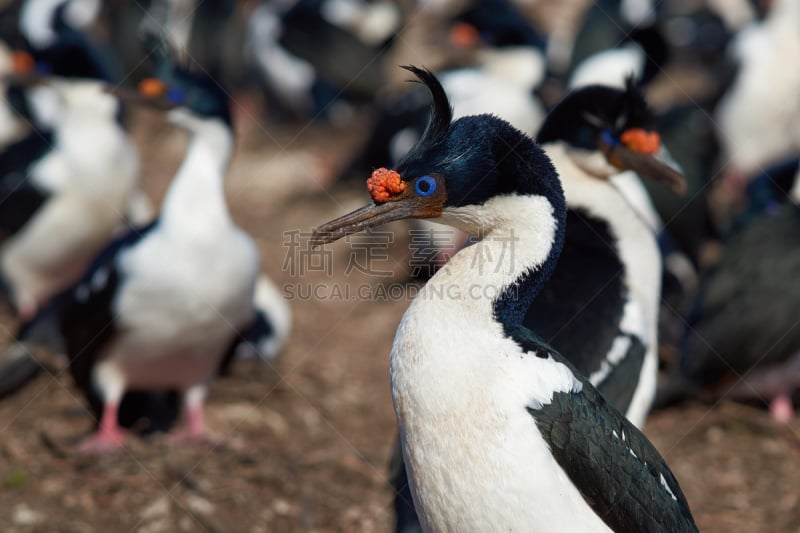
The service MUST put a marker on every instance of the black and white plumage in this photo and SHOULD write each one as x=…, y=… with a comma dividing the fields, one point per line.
x=759, y=117
x=605, y=316
x=499, y=432
x=76, y=182
x=314, y=54
x=73, y=180
x=689, y=143
x=161, y=307
x=741, y=341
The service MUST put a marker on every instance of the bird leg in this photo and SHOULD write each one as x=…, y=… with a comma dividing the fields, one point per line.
x=108, y=437
x=775, y=382
x=781, y=408
x=27, y=310
x=195, y=430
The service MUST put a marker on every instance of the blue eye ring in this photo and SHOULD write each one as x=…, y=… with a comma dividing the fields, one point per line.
x=425, y=186
x=609, y=138
x=176, y=96
x=43, y=68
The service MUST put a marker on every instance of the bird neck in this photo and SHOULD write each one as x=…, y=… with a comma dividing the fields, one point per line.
x=619, y=199
x=522, y=231
x=197, y=191
x=12, y=127
x=501, y=274
x=794, y=193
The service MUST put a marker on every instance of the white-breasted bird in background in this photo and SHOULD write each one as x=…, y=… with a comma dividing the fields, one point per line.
x=161, y=307
x=601, y=304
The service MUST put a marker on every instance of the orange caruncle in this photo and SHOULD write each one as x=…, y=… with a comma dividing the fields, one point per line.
x=641, y=141
x=22, y=62
x=152, y=87
x=385, y=183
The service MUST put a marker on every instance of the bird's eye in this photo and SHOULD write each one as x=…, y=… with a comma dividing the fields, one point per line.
x=176, y=96
x=425, y=186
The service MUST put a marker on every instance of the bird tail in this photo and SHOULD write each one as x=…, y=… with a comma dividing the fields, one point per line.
x=271, y=325
x=18, y=366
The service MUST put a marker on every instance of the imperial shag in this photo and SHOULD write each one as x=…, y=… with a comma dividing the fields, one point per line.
x=606, y=317
x=499, y=431
x=741, y=341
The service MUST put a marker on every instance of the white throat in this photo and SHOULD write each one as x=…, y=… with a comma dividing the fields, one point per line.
x=794, y=194
x=195, y=202
x=517, y=234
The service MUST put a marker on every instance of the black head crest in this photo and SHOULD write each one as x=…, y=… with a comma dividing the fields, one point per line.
x=157, y=46
x=441, y=112
x=585, y=113
x=634, y=106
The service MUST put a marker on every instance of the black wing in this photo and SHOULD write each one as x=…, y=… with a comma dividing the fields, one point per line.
x=20, y=198
x=17, y=368
x=617, y=470
x=620, y=384
x=728, y=328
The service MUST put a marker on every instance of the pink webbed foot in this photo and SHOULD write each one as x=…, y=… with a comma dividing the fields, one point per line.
x=781, y=409
x=108, y=437
x=195, y=430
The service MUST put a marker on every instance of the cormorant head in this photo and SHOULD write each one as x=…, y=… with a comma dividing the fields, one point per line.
x=454, y=165
x=608, y=130
x=188, y=96
x=494, y=23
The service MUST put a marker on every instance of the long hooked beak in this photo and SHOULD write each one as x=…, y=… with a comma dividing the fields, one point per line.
x=24, y=79
x=366, y=217
x=151, y=92
x=393, y=199
x=645, y=165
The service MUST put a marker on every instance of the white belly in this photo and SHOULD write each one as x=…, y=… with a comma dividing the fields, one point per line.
x=507, y=483
x=178, y=314
x=475, y=457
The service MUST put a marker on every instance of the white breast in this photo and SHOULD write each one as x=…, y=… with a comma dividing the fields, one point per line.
x=474, y=454
x=475, y=457
x=91, y=173
x=760, y=115
x=174, y=289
